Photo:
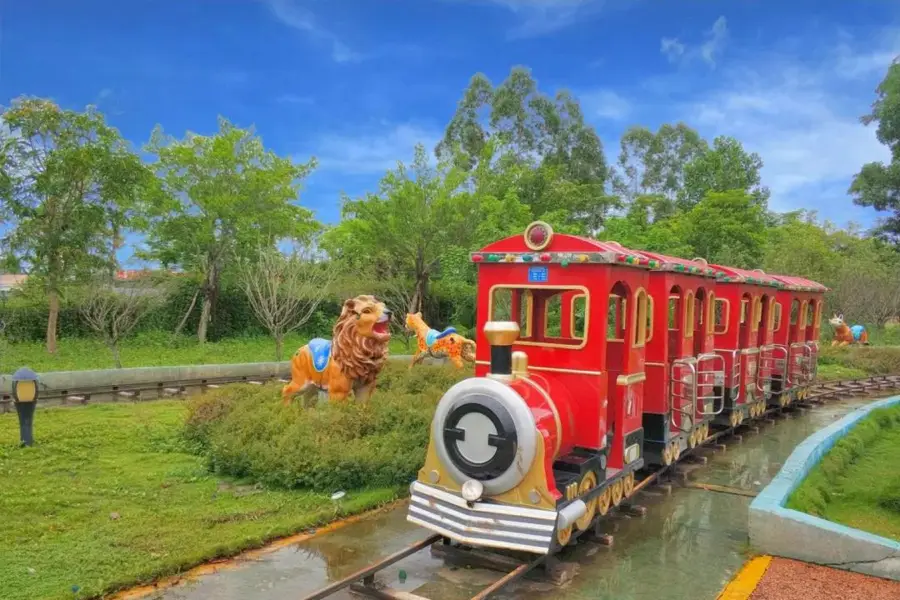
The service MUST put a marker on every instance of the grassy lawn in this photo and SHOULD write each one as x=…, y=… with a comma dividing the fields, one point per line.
x=835, y=372
x=77, y=354
x=857, y=483
x=111, y=496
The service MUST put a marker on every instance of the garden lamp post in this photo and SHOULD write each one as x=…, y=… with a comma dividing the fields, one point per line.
x=25, y=395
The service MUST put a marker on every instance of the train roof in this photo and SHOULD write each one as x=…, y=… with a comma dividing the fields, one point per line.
x=538, y=243
x=800, y=284
x=680, y=265
x=735, y=275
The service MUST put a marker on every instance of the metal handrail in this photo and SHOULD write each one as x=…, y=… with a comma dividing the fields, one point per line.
x=681, y=363
x=796, y=363
x=712, y=357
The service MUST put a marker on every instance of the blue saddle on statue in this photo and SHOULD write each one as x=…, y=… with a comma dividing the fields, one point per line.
x=320, y=350
x=434, y=335
x=857, y=331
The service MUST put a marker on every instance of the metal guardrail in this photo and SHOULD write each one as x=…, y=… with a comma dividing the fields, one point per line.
x=149, y=383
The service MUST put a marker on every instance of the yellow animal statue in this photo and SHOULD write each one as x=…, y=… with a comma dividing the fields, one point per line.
x=350, y=361
x=439, y=344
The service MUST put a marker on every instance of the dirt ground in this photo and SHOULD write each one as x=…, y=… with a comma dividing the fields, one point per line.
x=790, y=579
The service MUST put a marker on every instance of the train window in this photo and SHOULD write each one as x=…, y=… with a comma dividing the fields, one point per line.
x=810, y=317
x=578, y=314
x=795, y=311
x=615, y=318
x=803, y=311
x=771, y=324
x=522, y=305
x=640, y=317
x=757, y=314
x=776, y=313
x=689, y=305
x=744, y=305
x=710, y=314
x=818, y=319
x=722, y=310
x=649, y=318
x=510, y=304
x=673, y=313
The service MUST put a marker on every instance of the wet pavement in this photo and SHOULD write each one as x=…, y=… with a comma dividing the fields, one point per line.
x=688, y=546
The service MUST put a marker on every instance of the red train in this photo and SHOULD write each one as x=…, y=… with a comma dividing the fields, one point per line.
x=594, y=361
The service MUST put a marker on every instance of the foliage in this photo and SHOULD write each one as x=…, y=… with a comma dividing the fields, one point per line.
x=117, y=486
x=724, y=167
x=248, y=433
x=878, y=184
x=72, y=185
x=856, y=482
x=725, y=228
x=222, y=197
x=284, y=292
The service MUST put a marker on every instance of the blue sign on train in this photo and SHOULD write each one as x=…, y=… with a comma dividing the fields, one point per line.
x=537, y=274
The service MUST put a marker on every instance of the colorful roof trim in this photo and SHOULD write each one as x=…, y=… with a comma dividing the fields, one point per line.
x=735, y=275
x=680, y=265
x=565, y=258
x=800, y=284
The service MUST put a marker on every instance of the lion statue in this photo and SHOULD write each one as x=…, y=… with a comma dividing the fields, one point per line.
x=439, y=344
x=350, y=361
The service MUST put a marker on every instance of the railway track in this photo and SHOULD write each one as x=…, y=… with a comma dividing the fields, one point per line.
x=365, y=584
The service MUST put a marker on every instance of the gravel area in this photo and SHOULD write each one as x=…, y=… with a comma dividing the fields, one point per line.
x=790, y=579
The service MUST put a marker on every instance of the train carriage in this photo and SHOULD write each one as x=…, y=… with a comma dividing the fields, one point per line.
x=744, y=316
x=798, y=321
x=681, y=396
x=549, y=433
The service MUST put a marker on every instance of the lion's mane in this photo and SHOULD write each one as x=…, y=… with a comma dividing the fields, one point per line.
x=360, y=358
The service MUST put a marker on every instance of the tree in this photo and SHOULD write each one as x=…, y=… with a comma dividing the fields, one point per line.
x=222, y=196
x=515, y=126
x=404, y=230
x=726, y=228
x=72, y=184
x=878, y=184
x=114, y=310
x=724, y=167
x=284, y=291
x=654, y=163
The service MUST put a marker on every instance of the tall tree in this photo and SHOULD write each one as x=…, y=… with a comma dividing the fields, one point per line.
x=724, y=167
x=404, y=230
x=878, y=184
x=727, y=228
x=223, y=196
x=530, y=129
x=654, y=163
x=71, y=183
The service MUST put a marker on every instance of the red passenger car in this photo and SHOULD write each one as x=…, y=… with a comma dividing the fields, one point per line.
x=743, y=323
x=796, y=337
x=550, y=431
x=681, y=396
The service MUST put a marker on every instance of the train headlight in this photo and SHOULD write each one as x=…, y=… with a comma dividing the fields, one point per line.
x=632, y=453
x=472, y=490
x=484, y=431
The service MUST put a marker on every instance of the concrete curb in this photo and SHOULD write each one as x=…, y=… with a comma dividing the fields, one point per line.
x=781, y=531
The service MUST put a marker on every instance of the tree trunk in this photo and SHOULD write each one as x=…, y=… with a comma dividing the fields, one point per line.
x=52, y=320
x=204, y=317
x=114, y=348
x=187, y=314
x=418, y=298
x=279, y=346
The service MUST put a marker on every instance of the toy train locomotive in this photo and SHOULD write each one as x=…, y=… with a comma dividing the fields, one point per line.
x=594, y=361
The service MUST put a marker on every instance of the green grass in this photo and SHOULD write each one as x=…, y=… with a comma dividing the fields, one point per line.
x=114, y=495
x=836, y=372
x=857, y=482
x=149, y=350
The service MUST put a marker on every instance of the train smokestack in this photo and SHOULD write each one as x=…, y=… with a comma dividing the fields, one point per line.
x=501, y=336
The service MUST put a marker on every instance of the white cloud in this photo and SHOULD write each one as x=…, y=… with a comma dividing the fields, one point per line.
x=605, y=104
x=802, y=117
x=374, y=152
x=542, y=17
x=292, y=14
x=709, y=51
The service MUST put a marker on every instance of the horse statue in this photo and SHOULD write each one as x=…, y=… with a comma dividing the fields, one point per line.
x=439, y=344
x=845, y=335
x=350, y=361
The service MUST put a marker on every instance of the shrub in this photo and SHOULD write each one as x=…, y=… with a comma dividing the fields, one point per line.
x=246, y=432
x=874, y=360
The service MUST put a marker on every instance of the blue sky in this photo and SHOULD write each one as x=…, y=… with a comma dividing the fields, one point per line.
x=357, y=83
